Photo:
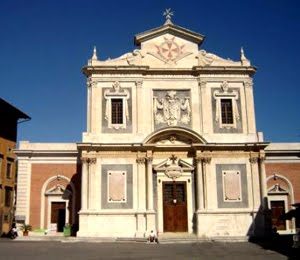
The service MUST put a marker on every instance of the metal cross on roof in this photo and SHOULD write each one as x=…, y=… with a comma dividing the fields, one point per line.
x=168, y=15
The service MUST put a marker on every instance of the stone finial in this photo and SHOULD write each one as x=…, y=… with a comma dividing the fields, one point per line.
x=168, y=15
x=243, y=58
x=94, y=57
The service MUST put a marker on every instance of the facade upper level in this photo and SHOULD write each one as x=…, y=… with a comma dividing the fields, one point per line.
x=167, y=82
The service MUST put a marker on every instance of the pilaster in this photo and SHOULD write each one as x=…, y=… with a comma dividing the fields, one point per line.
x=202, y=103
x=263, y=181
x=200, y=188
x=249, y=102
x=149, y=160
x=139, y=85
x=201, y=162
x=86, y=183
x=141, y=198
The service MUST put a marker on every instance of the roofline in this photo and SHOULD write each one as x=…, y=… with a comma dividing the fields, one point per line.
x=19, y=113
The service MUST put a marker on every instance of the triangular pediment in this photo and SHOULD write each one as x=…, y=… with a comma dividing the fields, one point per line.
x=170, y=163
x=277, y=189
x=171, y=29
x=56, y=190
x=166, y=47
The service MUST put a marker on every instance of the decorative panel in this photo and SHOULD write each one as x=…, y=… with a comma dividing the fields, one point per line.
x=231, y=186
x=172, y=108
x=116, y=186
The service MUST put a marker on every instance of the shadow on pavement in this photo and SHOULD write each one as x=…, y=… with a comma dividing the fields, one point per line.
x=282, y=244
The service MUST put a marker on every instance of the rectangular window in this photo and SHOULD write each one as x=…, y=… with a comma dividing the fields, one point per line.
x=1, y=160
x=116, y=186
x=117, y=111
x=6, y=218
x=8, y=196
x=8, y=170
x=226, y=111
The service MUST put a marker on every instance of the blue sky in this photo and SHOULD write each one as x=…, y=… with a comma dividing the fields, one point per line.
x=44, y=45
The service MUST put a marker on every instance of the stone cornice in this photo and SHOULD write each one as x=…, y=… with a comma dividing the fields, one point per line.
x=194, y=146
x=250, y=70
x=46, y=153
x=146, y=70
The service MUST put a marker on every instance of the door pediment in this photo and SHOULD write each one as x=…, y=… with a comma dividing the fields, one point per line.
x=174, y=136
x=173, y=167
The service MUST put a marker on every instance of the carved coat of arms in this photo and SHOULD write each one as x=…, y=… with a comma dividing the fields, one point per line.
x=171, y=109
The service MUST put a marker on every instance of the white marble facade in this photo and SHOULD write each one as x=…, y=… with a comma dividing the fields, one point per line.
x=162, y=151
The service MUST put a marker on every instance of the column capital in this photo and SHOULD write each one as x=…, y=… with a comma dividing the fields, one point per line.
x=141, y=160
x=88, y=160
x=248, y=83
x=203, y=159
x=149, y=159
x=262, y=156
x=202, y=83
x=206, y=160
x=253, y=159
x=139, y=83
x=91, y=82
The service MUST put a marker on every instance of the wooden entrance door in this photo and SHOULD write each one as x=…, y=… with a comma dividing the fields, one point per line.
x=277, y=209
x=58, y=215
x=175, y=207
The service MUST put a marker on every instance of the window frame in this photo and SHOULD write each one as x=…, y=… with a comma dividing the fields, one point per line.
x=116, y=92
x=226, y=93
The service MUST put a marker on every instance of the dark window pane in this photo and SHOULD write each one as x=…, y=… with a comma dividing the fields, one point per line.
x=277, y=210
x=8, y=194
x=168, y=193
x=117, y=111
x=226, y=111
x=8, y=170
x=180, y=193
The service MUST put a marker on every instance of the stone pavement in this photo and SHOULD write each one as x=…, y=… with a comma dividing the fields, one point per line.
x=278, y=248
x=78, y=250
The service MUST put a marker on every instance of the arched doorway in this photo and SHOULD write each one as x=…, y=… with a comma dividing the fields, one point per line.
x=57, y=203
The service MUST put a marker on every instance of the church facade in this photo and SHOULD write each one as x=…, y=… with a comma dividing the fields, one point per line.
x=171, y=145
